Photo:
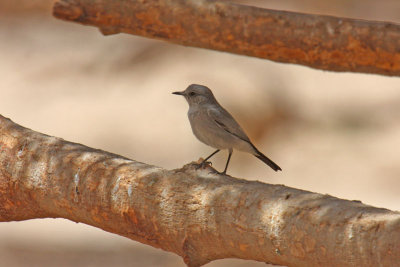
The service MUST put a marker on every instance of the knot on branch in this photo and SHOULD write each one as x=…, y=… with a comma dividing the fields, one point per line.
x=192, y=256
x=67, y=10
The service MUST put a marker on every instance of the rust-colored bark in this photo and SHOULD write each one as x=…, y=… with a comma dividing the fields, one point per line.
x=197, y=214
x=322, y=42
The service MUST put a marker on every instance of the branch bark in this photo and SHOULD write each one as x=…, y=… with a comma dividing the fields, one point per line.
x=197, y=214
x=322, y=42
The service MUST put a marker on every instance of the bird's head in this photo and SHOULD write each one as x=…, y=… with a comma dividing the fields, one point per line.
x=197, y=94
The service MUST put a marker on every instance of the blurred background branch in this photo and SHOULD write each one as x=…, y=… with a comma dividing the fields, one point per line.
x=322, y=42
x=196, y=213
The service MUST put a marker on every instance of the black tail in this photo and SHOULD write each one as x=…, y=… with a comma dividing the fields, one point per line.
x=267, y=161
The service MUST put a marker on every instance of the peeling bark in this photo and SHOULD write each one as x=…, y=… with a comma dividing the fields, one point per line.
x=322, y=42
x=195, y=213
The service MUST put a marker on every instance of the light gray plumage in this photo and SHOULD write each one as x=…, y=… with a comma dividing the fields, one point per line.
x=214, y=126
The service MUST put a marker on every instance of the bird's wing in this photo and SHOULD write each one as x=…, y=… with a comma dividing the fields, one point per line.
x=225, y=121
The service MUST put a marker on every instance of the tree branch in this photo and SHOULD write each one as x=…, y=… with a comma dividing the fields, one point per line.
x=197, y=214
x=322, y=42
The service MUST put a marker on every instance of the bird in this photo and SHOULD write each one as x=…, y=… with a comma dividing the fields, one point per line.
x=215, y=127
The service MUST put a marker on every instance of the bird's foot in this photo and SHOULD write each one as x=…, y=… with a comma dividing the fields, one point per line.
x=204, y=164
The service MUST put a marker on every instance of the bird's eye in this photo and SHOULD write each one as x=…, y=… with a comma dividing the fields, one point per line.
x=192, y=93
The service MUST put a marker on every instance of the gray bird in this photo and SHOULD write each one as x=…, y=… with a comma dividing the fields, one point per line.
x=214, y=126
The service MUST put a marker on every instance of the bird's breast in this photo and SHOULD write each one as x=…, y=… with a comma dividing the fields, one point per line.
x=207, y=131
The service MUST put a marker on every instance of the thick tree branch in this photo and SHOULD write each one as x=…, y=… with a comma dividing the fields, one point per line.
x=322, y=42
x=197, y=214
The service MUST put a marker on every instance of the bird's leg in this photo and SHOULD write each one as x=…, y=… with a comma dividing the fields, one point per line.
x=215, y=152
x=227, y=163
x=205, y=161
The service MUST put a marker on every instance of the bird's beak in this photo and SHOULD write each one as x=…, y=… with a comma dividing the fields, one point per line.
x=178, y=93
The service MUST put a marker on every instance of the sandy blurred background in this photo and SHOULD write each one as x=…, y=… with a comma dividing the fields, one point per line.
x=333, y=133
